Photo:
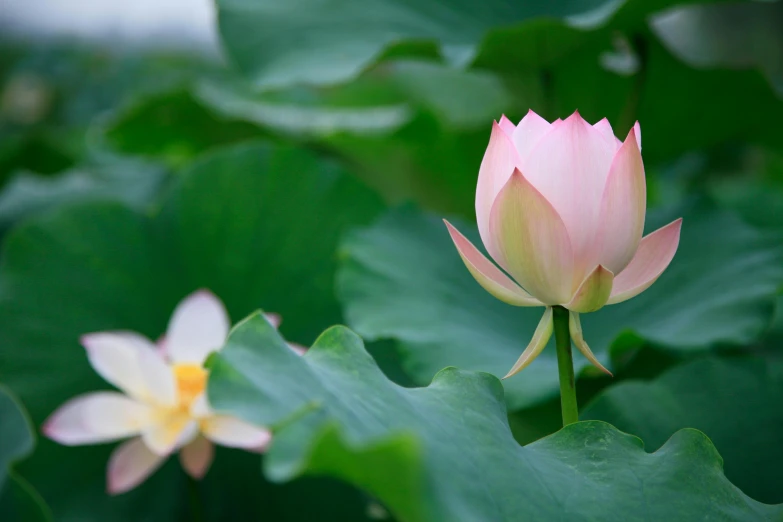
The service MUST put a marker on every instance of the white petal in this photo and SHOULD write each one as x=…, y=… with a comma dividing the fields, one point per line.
x=114, y=355
x=158, y=377
x=232, y=432
x=97, y=417
x=129, y=465
x=197, y=456
x=133, y=364
x=171, y=432
x=199, y=326
x=199, y=408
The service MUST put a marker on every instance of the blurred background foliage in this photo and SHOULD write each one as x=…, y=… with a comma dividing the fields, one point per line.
x=301, y=165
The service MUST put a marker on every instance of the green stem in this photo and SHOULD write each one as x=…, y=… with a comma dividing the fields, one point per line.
x=196, y=505
x=565, y=366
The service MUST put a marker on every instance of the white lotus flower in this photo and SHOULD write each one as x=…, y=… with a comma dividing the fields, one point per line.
x=161, y=402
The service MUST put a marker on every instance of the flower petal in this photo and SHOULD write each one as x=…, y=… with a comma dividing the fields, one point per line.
x=133, y=364
x=637, y=132
x=274, y=320
x=234, y=433
x=594, y=291
x=197, y=456
x=532, y=241
x=540, y=338
x=575, y=327
x=506, y=125
x=159, y=378
x=528, y=133
x=97, y=417
x=298, y=349
x=114, y=356
x=488, y=275
x=499, y=161
x=129, y=465
x=569, y=167
x=172, y=431
x=623, y=207
x=605, y=128
x=200, y=408
x=199, y=326
x=655, y=252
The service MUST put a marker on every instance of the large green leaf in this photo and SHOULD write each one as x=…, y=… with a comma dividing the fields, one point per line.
x=407, y=136
x=752, y=186
x=170, y=126
x=379, y=102
x=734, y=401
x=50, y=93
x=730, y=35
x=18, y=500
x=306, y=113
x=133, y=182
x=547, y=64
x=445, y=452
x=401, y=278
x=256, y=224
x=265, y=39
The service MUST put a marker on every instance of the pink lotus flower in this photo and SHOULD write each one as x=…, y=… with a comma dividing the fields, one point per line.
x=560, y=207
x=163, y=403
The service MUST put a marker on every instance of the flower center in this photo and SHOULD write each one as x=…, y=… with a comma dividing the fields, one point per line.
x=191, y=381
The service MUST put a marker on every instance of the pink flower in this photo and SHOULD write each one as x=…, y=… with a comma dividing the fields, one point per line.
x=560, y=208
x=162, y=402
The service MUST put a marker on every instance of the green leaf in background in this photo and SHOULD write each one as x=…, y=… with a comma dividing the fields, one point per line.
x=256, y=224
x=445, y=452
x=131, y=181
x=302, y=113
x=379, y=102
x=401, y=278
x=751, y=184
x=732, y=35
x=36, y=151
x=406, y=136
x=50, y=94
x=734, y=401
x=264, y=38
x=556, y=57
x=542, y=44
x=170, y=126
x=18, y=500
x=674, y=103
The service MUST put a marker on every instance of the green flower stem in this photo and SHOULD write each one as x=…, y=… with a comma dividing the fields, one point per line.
x=565, y=366
x=196, y=503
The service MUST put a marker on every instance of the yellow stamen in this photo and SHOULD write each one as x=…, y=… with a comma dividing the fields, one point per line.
x=191, y=382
